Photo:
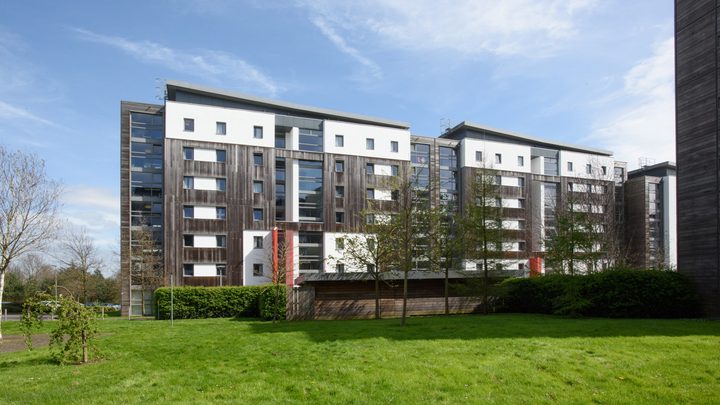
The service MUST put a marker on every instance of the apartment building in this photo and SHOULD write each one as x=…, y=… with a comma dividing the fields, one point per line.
x=213, y=173
x=651, y=216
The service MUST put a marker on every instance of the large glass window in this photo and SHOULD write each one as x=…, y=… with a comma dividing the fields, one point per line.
x=280, y=189
x=310, y=193
x=310, y=247
x=551, y=166
x=310, y=140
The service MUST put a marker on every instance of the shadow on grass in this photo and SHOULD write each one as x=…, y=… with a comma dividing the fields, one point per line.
x=497, y=326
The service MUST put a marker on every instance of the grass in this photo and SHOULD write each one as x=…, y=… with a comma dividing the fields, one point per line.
x=463, y=359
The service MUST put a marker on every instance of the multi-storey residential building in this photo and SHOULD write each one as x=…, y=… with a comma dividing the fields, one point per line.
x=212, y=173
x=650, y=216
x=697, y=39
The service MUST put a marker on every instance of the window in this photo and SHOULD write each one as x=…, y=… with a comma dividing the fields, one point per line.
x=188, y=153
x=498, y=158
x=220, y=184
x=220, y=269
x=220, y=155
x=370, y=268
x=498, y=202
x=310, y=140
x=257, y=214
x=188, y=240
x=258, y=132
x=394, y=170
x=395, y=195
x=498, y=180
x=310, y=190
x=569, y=166
x=257, y=242
x=280, y=140
x=369, y=219
x=604, y=170
x=220, y=212
x=521, y=181
x=370, y=193
x=339, y=217
x=188, y=211
x=257, y=159
x=371, y=244
x=188, y=270
x=257, y=187
x=339, y=243
x=188, y=183
x=370, y=168
x=339, y=191
x=221, y=241
x=220, y=128
x=521, y=246
x=257, y=269
x=521, y=161
x=339, y=166
x=521, y=203
x=339, y=141
x=340, y=268
x=588, y=169
x=478, y=156
x=189, y=125
x=394, y=146
x=369, y=143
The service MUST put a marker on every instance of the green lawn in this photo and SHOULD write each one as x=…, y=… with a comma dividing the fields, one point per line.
x=462, y=359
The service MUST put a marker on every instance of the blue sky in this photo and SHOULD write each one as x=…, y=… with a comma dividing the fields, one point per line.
x=596, y=73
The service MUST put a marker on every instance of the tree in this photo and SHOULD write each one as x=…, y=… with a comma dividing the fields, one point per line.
x=72, y=338
x=444, y=244
x=280, y=270
x=147, y=268
x=29, y=203
x=481, y=227
x=81, y=255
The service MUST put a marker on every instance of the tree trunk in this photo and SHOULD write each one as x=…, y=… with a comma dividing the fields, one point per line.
x=377, y=296
x=84, y=347
x=447, y=291
x=405, y=290
x=485, y=286
x=2, y=290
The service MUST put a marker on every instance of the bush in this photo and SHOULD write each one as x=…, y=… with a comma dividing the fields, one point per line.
x=614, y=293
x=268, y=298
x=212, y=302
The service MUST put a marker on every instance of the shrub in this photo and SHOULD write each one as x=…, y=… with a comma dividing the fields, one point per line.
x=619, y=293
x=273, y=303
x=211, y=302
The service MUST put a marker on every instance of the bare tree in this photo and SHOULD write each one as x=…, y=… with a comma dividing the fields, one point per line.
x=29, y=202
x=81, y=254
x=147, y=268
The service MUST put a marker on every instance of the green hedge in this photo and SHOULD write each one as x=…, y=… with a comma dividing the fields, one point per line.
x=613, y=293
x=215, y=302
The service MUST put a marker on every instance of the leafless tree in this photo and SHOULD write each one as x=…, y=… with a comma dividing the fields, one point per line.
x=80, y=253
x=29, y=202
x=147, y=269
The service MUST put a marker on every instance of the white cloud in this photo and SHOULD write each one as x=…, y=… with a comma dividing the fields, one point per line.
x=343, y=46
x=96, y=209
x=219, y=66
x=643, y=126
x=8, y=111
x=470, y=28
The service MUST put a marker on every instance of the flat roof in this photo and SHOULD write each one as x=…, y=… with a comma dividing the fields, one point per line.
x=173, y=85
x=453, y=134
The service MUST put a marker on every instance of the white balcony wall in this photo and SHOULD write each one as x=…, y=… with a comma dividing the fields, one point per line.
x=205, y=183
x=333, y=256
x=205, y=212
x=205, y=270
x=383, y=194
x=205, y=241
x=239, y=124
x=205, y=155
x=356, y=134
x=383, y=170
x=581, y=160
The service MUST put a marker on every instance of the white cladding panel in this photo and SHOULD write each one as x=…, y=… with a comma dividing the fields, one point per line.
x=581, y=160
x=383, y=194
x=239, y=124
x=670, y=219
x=205, y=241
x=204, y=270
x=205, y=183
x=205, y=212
x=252, y=255
x=205, y=155
x=383, y=170
x=333, y=256
x=508, y=153
x=355, y=135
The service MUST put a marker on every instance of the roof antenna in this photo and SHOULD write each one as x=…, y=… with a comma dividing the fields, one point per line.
x=445, y=125
x=645, y=161
x=160, y=89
